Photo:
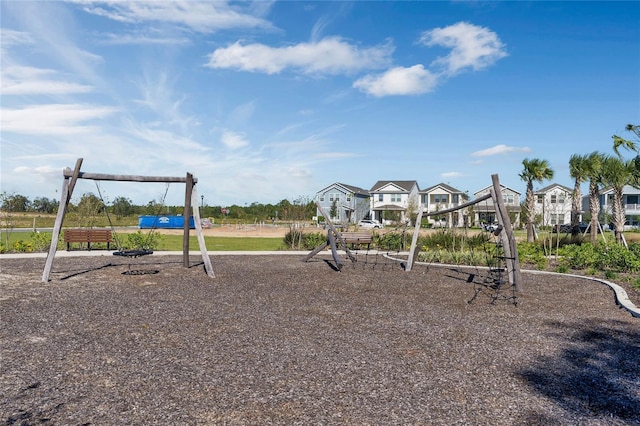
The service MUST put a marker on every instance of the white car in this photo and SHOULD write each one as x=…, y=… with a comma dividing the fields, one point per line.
x=370, y=224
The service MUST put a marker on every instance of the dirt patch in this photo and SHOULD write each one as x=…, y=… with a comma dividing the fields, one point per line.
x=273, y=340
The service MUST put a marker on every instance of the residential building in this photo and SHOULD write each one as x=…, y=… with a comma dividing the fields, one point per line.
x=485, y=211
x=630, y=201
x=442, y=197
x=394, y=200
x=348, y=203
x=553, y=205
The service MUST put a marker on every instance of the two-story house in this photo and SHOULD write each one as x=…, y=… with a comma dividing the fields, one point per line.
x=442, y=197
x=630, y=202
x=553, y=205
x=344, y=203
x=394, y=200
x=485, y=212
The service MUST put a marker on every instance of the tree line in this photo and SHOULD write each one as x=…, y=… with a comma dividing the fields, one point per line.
x=600, y=170
x=90, y=204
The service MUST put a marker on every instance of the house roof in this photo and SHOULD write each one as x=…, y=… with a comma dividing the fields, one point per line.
x=347, y=188
x=389, y=207
x=405, y=185
x=552, y=186
x=444, y=186
x=627, y=190
x=501, y=185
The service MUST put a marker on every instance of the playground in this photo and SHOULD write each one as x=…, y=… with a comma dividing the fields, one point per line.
x=274, y=340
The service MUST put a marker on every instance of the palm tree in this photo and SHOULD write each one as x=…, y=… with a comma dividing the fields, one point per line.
x=593, y=166
x=624, y=143
x=616, y=173
x=535, y=170
x=578, y=171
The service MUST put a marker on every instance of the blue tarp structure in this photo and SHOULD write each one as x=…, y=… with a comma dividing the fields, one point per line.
x=164, y=222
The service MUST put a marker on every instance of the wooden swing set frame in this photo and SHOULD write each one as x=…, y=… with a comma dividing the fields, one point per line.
x=190, y=207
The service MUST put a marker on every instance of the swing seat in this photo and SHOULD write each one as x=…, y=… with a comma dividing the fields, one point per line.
x=132, y=253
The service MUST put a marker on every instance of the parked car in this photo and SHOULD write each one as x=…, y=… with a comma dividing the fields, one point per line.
x=370, y=224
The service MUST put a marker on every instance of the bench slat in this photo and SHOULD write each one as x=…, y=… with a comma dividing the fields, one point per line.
x=87, y=236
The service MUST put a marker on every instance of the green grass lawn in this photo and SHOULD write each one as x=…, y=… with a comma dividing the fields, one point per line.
x=29, y=242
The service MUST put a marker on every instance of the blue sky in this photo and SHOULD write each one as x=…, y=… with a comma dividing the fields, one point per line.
x=271, y=100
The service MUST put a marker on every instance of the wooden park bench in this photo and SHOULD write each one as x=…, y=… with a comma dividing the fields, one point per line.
x=355, y=239
x=88, y=236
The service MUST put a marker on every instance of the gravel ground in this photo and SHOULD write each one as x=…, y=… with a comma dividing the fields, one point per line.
x=273, y=340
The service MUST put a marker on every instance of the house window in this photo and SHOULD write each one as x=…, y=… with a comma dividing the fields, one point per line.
x=508, y=198
x=338, y=197
x=540, y=199
x=561, y=197
x=348, y=197
x=456, y=198
x=554, y=198
x=322, y=197
x=381, y=197
x=555, y=219
x=396, y=198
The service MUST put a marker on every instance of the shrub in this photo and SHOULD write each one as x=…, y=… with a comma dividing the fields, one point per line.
x=390, y=241
x=313, y=240
x=532, y=254
x=580, y=257
x=21, y=246
x=40, y=241
x=140, y=241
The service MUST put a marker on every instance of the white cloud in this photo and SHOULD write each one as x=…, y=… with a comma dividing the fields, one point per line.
x=58, y=119
x=414, y=80
x=449, y=175
x=471, y=46
x=204, y=17
x=233, y=140
x=24, y=80
x=330, y=55
x=499, y=150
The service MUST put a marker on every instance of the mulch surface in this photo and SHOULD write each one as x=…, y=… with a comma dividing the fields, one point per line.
x=273, y=340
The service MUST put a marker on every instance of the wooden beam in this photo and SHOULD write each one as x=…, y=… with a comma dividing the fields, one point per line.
x=413, y=253
x=461, y=206
x=129, y=178
x=68, y=183
x=203, y=248
x=509, y=241
x=187, y=216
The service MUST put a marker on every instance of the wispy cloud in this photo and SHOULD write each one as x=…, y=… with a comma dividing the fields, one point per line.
x=55, y=119
x=414, y=80
x=471, y=46
x=331, y=55
x=24, y=80
x=450, y=175
x=500, y=150
x=233, y=140
x=203, y=17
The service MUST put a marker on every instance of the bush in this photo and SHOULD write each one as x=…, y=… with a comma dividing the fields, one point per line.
x=532, y=254
x=40, y=241
x=140, y=241
x=313, y=240
x=450, y=239
x=390, y=241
